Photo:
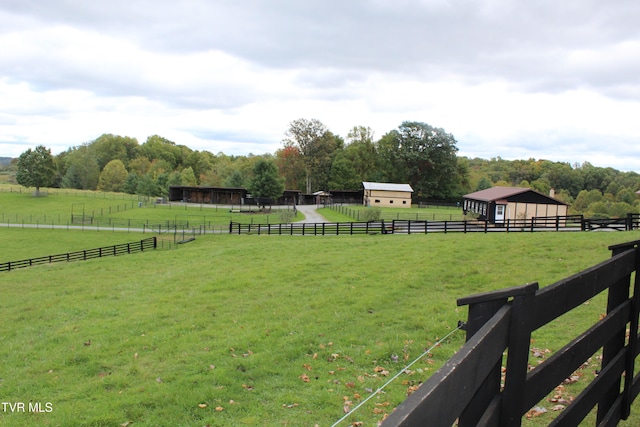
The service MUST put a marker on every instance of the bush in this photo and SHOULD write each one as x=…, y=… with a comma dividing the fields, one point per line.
x=371, y=214
x=286, y=215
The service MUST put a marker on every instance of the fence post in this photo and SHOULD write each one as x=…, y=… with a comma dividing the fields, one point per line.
x=481, y=308
x=628, y=395
x=518, y=357
x=479, y=314
x=618, y=293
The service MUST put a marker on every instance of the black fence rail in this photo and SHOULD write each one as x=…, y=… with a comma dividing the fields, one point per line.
x=631, y=222
x=475, y=389
x=555, y=223
x=313, y=229
x=115, y=250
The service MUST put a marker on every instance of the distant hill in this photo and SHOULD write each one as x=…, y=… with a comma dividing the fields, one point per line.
x=5, y=161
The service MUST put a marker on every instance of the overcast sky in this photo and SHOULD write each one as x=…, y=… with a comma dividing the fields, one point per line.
x=556, y=80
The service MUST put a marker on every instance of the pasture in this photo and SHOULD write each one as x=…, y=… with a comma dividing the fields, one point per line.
x=257, y=330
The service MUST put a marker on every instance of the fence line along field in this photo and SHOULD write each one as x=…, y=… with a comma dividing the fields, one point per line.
x=256, y=330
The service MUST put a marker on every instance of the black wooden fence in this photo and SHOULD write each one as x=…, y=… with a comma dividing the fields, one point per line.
x=468, y=387
x=121, y=249
x=308, y=229
x=554, y=223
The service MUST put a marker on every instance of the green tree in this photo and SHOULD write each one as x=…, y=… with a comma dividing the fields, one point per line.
x=361, y=151
x=235, y=180
x=35, y=168
x=187, y=177
x=424, y=157
x=113, y=176
x=82, y=171
x=147, y=186
x=131, y=184
x=265, y=183
x=109, y=147
x=343, y=176
x=317, y=146
x=483, y=184
x=159, y=148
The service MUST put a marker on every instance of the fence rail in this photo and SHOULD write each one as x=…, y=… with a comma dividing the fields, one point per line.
x=554, y=223
x=307, y=229
x=115, y=250
x=468, y=387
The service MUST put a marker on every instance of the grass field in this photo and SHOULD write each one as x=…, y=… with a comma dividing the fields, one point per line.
x=427, y=213
x=255, y=330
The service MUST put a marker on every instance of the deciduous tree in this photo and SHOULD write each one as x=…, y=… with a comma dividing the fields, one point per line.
x=423, y=156
x=35, y=168
x=113, y=176
x=317, y=146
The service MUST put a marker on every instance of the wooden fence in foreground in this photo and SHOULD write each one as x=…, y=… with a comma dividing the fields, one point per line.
x=468, y=387
x=121, y=249
x=555, y=223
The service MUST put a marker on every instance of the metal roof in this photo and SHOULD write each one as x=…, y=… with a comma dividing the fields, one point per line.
x=386, y=186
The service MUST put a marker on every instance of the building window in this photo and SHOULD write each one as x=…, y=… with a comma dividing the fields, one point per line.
x=404, y=202
x=377, y=201
x=390, y=202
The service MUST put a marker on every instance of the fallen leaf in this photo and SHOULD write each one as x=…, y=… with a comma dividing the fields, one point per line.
x=219, y=408
x=202, y=405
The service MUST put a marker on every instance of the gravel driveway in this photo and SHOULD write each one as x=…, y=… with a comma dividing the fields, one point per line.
x=311, y=216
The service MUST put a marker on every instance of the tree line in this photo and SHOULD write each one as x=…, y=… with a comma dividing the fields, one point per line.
x=313, y=158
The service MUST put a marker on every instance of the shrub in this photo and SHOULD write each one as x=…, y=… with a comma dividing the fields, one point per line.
x=371, y=214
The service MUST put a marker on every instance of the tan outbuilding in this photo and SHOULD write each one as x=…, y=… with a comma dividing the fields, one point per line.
x=499, y=204
x=385, y=194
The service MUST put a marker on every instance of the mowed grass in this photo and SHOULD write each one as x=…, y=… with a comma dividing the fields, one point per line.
x=414, y=213
x=258, y=330
x=117, y=210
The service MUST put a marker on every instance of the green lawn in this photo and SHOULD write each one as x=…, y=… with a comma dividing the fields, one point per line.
x=427, y=213
x=249, y=330
x=116, y=210
x=256, y=330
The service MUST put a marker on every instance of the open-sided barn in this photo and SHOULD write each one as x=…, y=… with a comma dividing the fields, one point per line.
x=209, y=195
x=498, y=204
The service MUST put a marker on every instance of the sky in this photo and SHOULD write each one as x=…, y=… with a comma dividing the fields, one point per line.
x=542, y=79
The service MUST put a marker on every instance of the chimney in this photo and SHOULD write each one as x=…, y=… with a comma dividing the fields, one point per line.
x=552, y=193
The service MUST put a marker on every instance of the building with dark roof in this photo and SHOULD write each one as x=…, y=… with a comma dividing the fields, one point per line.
x=498, y=204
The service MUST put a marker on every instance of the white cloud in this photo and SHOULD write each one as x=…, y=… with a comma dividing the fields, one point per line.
x=511, y=79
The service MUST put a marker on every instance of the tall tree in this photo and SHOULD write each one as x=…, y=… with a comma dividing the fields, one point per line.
x=109, y=147
x=291, y=166
x=113, y=176
x=35, y=168
x=82, y=171
x=265, y=183
x=423, y=156
x=317, y=146
x=343, y=175
x=361, y=151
